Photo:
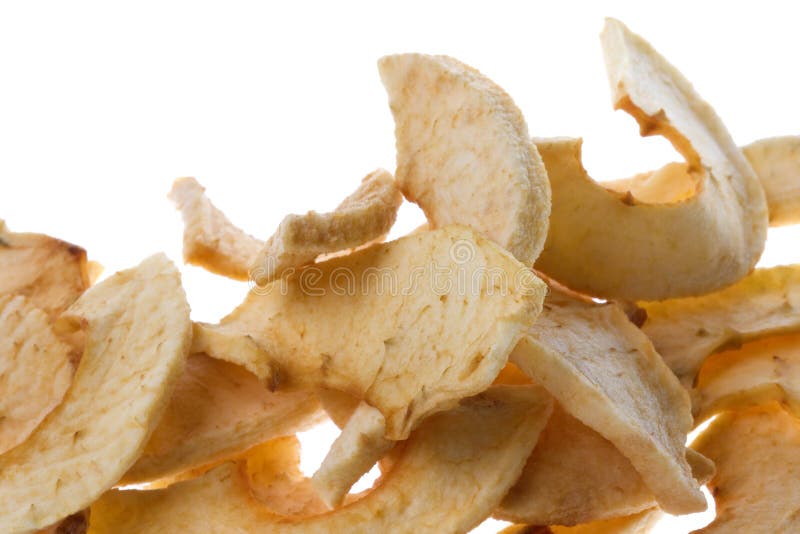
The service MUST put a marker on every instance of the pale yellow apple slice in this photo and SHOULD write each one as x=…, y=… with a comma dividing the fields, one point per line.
x=138, y=335
x=686, y=331
x=464, y=154
x=757, y=454
x=608, y=244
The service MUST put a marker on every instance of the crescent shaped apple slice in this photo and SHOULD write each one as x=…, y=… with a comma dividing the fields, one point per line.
x=464, y=154
x=448, y=477
x=608, y=244
x=138, y=335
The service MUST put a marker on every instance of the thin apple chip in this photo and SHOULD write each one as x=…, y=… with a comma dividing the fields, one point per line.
x=606, y=373
x=50, y=272
x=137, y=335
x=409, y=326
x=758, y=373
x=575, y=476
x=365, y=216
x=463, y=152
x=757, y=453
x=608, y=244
x=478, y=448
x=36, y=368
x=639, y=523
x=686, y=331
x=240, y=349
x=218, y=410
x=210, y=239
x=360, y=445
x=776, y=160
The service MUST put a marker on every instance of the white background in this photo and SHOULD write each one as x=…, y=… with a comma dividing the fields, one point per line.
x=280, y=109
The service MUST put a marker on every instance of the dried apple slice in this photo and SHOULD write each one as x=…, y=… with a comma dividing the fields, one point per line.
x=606, y=373
x=138, y=335
x=607, y=244
x=575, y=476
x=409, y=326
x=776, y=160
x=218, y=410
x=463, y=152
x=686, y=331
x=478, y=448
x=36, y=368
x=757, y=454
x=50, y=272
x=210, y=239
x=240, y=349
x=360, y=445
x=365, y=216
x=758, y=373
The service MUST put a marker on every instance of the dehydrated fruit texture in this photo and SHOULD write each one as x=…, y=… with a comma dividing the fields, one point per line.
x=138, y=335
x=464, y=154
x=607, y=244
x=478, y=448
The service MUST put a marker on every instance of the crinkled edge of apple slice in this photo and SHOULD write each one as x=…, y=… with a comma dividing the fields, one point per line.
x=607, y=244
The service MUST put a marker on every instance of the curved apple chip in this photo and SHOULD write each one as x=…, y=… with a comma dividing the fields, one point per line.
x=463, y=152
x=239, y=349
x=360, y=445
x=606, y=373
x=759, y=372
x=576, y=476
x=686, y=331
x=210, y=239
x=51, y=273
x=478, y=448
x=218, y=410
x=653, y=251
x=409, y=326
x=757, y=454
x=137, y=338
x=36, y=368
x=365, y=216
x=776, y=160
x=639, y=523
